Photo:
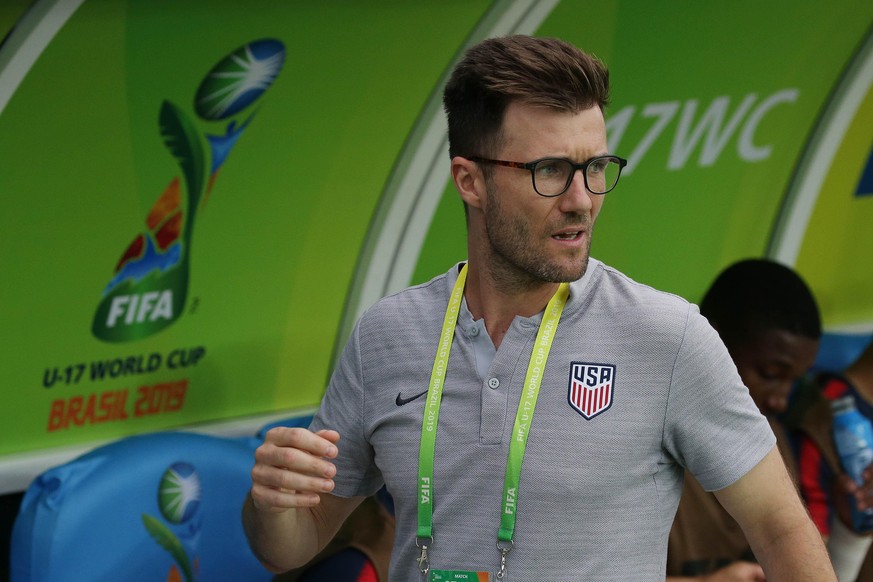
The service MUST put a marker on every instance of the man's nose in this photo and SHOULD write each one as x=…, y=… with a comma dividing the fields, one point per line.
x=778, y=402
x=576, y=197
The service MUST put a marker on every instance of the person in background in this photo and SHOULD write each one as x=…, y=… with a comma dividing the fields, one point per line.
x=533, y=351
x=823, y=484
x=769, y=320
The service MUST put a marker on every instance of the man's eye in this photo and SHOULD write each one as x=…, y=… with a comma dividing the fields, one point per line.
x=772, y=375
x=552, y=169
x=598, y=166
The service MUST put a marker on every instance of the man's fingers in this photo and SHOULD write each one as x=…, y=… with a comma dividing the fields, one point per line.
x=279, y=478
x=321, y=444
x=331, y=435
x=293, y=459
x=847, y=484
x=277, y=500
x=292, y=468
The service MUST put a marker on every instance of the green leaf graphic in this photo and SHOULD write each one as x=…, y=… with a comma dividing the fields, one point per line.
x=183, y=141
x=162, y=534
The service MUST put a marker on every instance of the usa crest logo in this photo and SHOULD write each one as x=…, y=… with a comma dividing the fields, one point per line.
x=591, y=388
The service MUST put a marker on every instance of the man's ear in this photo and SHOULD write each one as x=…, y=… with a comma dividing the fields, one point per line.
x=469, y=181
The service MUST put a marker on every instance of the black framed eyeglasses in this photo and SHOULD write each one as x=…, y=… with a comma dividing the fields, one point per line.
x=552, y=176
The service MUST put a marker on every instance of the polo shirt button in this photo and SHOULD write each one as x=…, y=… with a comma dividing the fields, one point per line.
x=493, y=383
x=474, y=331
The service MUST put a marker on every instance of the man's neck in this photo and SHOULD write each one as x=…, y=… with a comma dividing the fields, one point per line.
x=499, y=304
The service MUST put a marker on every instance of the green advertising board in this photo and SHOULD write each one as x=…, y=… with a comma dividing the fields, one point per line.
x=200, y=200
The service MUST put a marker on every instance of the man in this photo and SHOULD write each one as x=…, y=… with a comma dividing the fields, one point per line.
x=770, y=323
x=604, y=387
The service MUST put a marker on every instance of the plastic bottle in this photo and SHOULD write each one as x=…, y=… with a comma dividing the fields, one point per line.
x=853, y=437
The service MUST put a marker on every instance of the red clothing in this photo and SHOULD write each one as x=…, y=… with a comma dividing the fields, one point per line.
x=817, y=459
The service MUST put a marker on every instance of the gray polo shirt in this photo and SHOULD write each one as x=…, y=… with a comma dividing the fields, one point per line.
x=638, y=386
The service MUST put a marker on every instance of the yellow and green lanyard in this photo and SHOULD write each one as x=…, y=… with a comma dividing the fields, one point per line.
x=520, y=431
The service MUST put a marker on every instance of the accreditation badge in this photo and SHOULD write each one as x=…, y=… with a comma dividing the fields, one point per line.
x=451, y=575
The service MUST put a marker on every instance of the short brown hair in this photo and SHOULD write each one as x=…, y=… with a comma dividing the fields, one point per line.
x=533, y=70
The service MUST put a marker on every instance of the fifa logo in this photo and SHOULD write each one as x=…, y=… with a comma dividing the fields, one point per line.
x=149, y=288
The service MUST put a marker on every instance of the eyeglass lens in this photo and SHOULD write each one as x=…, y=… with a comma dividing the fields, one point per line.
x=553, y=176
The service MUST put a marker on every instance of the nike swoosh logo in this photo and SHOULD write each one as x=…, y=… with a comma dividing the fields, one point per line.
x=401, y=400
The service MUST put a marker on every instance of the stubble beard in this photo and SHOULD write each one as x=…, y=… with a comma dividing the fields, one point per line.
x=514, y=263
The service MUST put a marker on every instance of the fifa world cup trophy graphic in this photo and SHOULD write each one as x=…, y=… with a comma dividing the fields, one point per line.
x=150, y=285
